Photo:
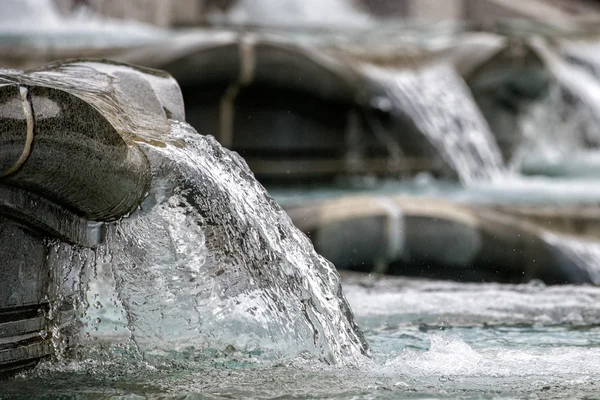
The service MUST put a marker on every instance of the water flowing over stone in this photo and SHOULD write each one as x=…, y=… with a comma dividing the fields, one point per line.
x=441, y=106
x=210, y=260
x=583, y=253
x=578, y=96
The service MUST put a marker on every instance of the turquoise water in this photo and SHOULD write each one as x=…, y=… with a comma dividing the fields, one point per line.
x=507, y=190
x=429, y=339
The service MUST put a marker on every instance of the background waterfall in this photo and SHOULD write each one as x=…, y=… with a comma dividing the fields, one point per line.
x=39, y=23
x=585, y=253
x=580, y=95
x=440, y=104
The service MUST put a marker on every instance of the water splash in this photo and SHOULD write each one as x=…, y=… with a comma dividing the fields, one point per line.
x=210, y=260
x=430, y=339
x=441, y=106
x=493, y=339
x=71, y=268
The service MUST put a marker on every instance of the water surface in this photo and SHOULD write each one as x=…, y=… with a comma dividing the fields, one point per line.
x=429, y=339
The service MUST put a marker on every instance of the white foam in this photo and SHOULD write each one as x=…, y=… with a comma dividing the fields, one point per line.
x=451, y=356
x=402, y=299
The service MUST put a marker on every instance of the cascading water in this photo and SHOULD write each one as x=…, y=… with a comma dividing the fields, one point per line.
x=585, y=253
x=210, y=260
x=566, y=120
x=441, y=106
x=576, y=95
x=209, y=265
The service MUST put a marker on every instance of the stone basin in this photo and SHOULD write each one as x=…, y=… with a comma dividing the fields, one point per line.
x=441, y=239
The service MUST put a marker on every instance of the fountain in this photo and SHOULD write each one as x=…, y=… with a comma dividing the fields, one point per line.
x=341, y=108
x=98, y=162
x=146, y=260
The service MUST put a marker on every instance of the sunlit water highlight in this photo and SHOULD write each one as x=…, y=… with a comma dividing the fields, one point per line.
x=328, y=13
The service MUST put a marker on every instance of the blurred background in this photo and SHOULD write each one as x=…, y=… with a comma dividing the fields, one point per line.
x=452, y=139
x=173, y=13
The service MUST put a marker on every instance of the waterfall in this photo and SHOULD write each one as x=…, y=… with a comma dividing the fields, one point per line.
x=210, y=260
x=580, y=102
x=38, y=22
x=442, y=107
x=584, y=253
x=26, y=15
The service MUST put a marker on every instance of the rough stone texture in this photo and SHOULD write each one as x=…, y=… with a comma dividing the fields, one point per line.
x=23, y=279
x=40, y=289
x=49, y=219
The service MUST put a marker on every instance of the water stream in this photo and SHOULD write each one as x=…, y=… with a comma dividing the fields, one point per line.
x=442, y=107
x=208, y=291
x=584, y=252
x=210, y=260
x=579, y=100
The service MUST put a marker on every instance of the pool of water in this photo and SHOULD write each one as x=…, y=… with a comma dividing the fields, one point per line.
x=526, y=190
x=428, y=339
